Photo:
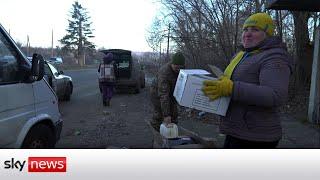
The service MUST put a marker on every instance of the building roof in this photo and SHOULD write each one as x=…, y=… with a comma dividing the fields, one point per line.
x=294, y=5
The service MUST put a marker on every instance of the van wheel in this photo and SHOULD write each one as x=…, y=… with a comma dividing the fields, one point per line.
x=39, y=137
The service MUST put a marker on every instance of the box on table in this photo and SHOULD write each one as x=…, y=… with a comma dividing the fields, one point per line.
x=188, y=92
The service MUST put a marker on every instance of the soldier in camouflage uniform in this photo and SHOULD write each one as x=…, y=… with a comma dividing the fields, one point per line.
x=165, y=105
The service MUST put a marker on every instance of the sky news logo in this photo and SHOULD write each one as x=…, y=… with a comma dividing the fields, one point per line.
x=38, y=164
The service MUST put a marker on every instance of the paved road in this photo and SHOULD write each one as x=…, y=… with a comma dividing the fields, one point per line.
x=87, y=124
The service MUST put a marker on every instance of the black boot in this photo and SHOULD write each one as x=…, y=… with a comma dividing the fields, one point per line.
x=104, y=103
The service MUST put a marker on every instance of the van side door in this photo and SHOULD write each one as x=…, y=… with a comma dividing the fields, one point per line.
x=16, y=98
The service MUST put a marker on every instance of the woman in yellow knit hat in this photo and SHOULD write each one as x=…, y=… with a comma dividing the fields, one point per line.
x=257, y=81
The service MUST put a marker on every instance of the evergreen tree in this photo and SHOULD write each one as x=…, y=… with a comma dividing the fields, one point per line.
x=78, y=33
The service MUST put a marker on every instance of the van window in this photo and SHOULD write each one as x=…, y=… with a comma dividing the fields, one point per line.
x=8, y=62
x=124, y=64
x=47, y=70
x=122, y=60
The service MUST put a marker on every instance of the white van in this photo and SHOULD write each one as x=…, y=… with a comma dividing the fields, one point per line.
x=29, y=114
x=56, y=60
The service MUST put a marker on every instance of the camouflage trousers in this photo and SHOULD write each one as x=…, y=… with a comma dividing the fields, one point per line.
x=157, y=116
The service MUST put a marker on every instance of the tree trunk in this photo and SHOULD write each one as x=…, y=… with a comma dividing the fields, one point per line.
x=303, y=58
x=279, y=23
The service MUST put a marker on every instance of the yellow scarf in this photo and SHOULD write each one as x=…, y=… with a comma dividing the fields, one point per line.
x=235, y=61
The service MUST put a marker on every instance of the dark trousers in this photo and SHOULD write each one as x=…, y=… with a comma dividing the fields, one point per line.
x=157, y=116
x=107, y=91
x=236, y=143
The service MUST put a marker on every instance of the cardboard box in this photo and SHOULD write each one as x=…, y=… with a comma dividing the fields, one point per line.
x=188, y=92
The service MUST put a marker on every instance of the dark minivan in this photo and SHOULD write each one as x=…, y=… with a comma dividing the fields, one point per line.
x=128, y=71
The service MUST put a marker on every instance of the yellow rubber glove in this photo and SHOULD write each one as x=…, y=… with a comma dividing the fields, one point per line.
x=217, y=88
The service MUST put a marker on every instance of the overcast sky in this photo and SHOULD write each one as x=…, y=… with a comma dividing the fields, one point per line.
x=117, y=23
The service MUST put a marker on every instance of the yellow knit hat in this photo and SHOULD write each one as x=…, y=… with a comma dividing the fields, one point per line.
x=262, y=21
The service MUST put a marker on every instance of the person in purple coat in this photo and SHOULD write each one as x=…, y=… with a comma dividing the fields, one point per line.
x=107, y=78
x=257, y=80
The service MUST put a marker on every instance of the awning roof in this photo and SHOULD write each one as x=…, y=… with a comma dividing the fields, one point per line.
x=294, y=5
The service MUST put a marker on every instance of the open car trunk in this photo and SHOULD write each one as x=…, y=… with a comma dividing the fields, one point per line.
x=123, y=62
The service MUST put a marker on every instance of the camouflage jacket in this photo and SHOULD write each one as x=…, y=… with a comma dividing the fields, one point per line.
x=163, y=88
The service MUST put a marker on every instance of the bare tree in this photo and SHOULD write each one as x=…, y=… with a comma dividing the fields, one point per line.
x=154, y=34
x=314, y=22
x=208, y=31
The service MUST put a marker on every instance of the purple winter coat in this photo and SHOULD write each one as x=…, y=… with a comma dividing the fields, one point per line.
x=260, y=86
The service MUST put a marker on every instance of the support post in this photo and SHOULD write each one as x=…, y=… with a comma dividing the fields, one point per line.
x=313, y=110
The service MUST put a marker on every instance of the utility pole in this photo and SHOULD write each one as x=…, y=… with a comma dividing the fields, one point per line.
x=84, y=55
x=28, y=45
x=168, y=43
x=159, y=62
x=160, y=53
x=52, y=43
